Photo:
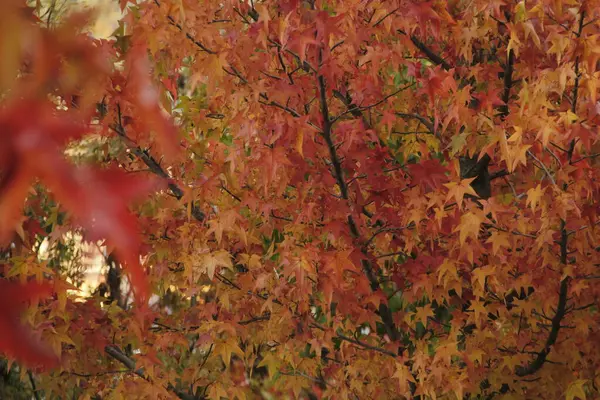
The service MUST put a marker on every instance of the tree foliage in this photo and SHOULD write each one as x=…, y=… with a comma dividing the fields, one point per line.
x=336, y=199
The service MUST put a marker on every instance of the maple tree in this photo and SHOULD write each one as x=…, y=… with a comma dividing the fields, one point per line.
x=335, y=199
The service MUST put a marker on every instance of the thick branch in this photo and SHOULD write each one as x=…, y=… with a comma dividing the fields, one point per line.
x=561, y=308
x=508, y=81
x=384, y=312
x=541, y=357
x=575, y=88
x=335, y=161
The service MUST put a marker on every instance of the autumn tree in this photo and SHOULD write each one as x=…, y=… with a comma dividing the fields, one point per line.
x=339, y=199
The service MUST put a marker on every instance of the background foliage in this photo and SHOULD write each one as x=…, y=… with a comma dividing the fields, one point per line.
x=335, y=199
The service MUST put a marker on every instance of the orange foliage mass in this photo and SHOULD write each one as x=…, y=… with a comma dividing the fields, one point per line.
x=360, y=199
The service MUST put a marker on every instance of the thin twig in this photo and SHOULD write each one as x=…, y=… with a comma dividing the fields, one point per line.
x=530, y=154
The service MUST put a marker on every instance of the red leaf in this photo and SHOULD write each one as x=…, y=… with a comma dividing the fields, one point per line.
x=101, y=206
x=143, y=94
x=430, y=172
x=16, y=340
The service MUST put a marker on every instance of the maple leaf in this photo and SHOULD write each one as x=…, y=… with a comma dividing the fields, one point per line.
x=470, y=224
x=424, y=13
x=29, y=146
x=209, y=263
x=423, y=313
x=272, y=363
x=489, y=100
x=534, y=195
x=498, y=240
x=218, y=391
x=458, y=190
x=227, y=348
x=143, y=93
x=480, y=274
x=431, y=172
x=99, y=201
x=402, y=373
x=478, y=309
x=439, y=81
x=576, y=390
x=17, y=341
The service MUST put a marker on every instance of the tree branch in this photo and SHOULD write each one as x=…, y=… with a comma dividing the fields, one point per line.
x=384, y=312
x=118, y=355
x=428, y=124
x=367, y=346
x=541, y=357
x=561, y=310
x=508, y=81
x=431, y=55
x=34, y=388
x=190, y=37
x=357, y=111
x=153, y=165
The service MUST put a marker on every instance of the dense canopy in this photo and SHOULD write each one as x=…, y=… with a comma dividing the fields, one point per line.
x=303, y=199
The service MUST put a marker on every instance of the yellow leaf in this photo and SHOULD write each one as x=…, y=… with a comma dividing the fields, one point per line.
x=458, y=190
x=251, y=261
x=469, y=226
x=300, y=142
x=576, y=391
x=208, y=263
x=498, y=240
x=403, y=375
x=592, y=85
x=272, y=363
x=424, y=312
x=226, y=349
x=520, y=11
x=534, y=196
x=520, y=157
x=217, y=391
x=545, y=133
x=446, y=270
x=530, y=31
x=478, y=309
x=513, y=44
x=480, y=274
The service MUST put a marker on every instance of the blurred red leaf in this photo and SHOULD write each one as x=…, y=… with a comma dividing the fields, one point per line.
x=144, y=96
x=100, y=205
x=32, y=148
x=16, y=340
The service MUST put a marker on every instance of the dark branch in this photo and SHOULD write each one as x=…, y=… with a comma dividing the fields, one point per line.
x=541, y=357
x=118, y=355
x=190, y=37
x=508, y=82
x=384, y=312
x=367, y=346
x=153, y=165
x=425, y=121
x=431, y=55
x=499, y=174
